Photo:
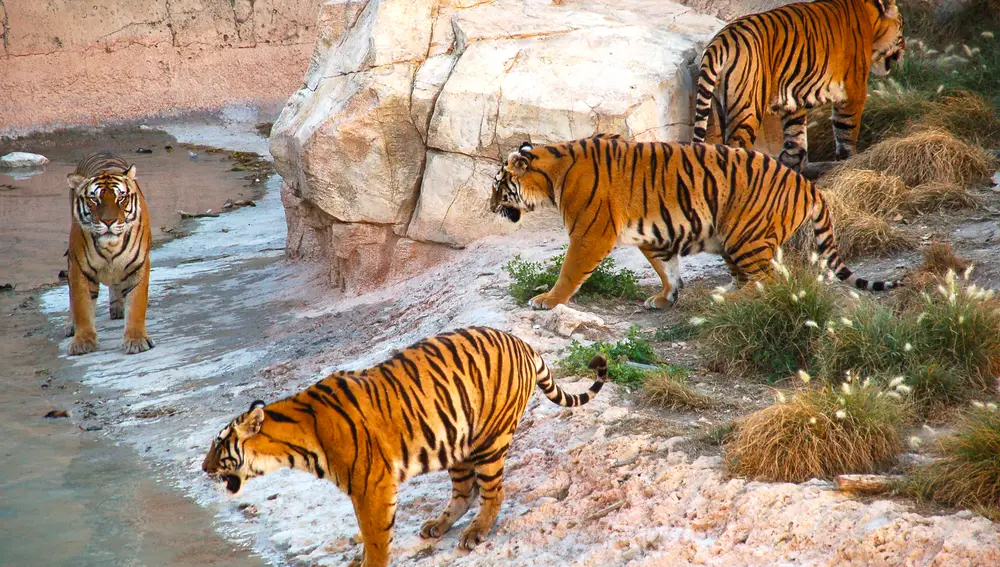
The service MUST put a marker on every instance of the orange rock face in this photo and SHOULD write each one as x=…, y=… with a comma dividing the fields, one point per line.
x=73, y=63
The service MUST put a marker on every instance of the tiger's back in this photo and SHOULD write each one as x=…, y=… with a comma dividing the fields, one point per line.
x=448, y=402
x=109, y=243
x=793, y=58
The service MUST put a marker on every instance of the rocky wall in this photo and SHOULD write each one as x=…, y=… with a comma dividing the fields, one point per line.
x=69, y=62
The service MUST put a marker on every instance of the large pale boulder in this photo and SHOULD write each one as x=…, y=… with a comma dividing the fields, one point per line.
x=409, y=105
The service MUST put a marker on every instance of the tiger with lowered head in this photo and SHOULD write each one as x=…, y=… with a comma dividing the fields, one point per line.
x=669, y=199
x=448, y=402
x=793, y=58
x=109, y=243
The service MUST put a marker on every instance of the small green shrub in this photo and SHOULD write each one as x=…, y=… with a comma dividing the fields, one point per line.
x=769, y=327
x=532, y=278
x=946, y=347
x=819, y=433
x=633, y=348
x=968, y=472
x=961, y=326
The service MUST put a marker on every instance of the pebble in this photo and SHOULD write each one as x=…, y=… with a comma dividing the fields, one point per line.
x=23, y=159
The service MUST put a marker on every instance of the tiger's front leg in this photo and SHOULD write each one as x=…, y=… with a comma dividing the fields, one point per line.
x=582, y=259
x=847, y=125
x=83, y=307
x=136, y=340
x=375, y=508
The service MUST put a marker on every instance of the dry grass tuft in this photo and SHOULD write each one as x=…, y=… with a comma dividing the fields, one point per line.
x=928, y=156
x=861, y=233
x=939, y=258
x=870, y=191
x=669, y=390
x=936, y=196
x=968, y=472
x=818, y=433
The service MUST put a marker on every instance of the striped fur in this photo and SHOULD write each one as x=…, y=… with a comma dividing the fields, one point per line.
x=793, y=58
x=670, y=200
x=109, y=243
x=448, y=402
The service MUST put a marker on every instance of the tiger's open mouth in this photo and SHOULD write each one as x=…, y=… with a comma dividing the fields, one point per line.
x=512, y=214
x=233, y=482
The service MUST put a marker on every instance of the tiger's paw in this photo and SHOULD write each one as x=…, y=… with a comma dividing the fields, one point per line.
x=434, y=529
x=471, y=537
x=544, y=301
x=117, y=311
x=137, y=345
x=661, y=301
x=82, y=345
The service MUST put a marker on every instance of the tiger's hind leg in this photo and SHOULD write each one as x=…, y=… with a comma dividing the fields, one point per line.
x=847, y=125
x=754, y=265
x=794, y=152
x=670, y=278
x=489, y=479
x=464, y=490
x=117, y=303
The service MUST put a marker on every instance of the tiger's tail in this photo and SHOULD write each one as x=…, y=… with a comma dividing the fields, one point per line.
x=543, y=378
x=711, y=62
x=828, y=251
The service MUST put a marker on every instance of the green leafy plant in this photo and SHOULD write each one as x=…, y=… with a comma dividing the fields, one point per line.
x=529, y=279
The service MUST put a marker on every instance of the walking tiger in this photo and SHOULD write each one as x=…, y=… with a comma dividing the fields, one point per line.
x=109, y=242
x=669, y=199
x=448, y=402
x=793, y=58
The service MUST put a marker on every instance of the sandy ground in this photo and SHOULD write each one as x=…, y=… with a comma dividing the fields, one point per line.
x=234, y=322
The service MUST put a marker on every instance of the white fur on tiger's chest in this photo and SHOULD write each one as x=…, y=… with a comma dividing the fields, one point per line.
x=111, y=261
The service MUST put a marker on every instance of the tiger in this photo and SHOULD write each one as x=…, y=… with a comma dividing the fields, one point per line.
x=451, y=401
x=669, y=199
x=793, y=58
x=109, y=242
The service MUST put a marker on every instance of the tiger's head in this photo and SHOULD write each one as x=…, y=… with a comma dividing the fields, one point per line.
x=889, y=43
x=514, y=188
x=106, y=204
x=239, y=453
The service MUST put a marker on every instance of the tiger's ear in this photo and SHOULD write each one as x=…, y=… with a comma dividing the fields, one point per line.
x=517, y=163
x=524, y=147
x=130, y=173
x=75, y=180
x=251, y=422
x=885, y=6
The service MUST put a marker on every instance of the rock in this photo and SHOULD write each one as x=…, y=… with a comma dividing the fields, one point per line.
x=55, y=414
x=453, y=196
x=409, y=105
x=612, y=414
x=23, y=159
x=564, y=321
